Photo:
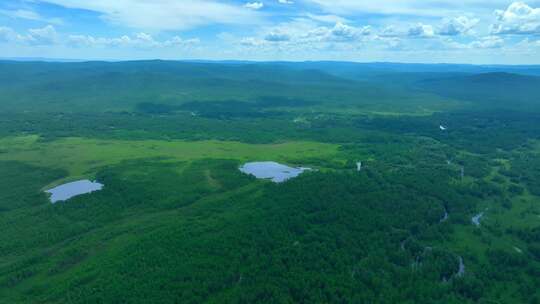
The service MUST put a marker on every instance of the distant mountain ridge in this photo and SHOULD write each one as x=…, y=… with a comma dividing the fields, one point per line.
x=120, y=86
x=40, y=59
x=329, y=66
x=499, y=89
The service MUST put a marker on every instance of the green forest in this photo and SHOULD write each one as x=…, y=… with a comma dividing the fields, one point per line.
x=444, y=209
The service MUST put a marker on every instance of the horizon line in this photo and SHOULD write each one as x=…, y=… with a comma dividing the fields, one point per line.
x=217, y=61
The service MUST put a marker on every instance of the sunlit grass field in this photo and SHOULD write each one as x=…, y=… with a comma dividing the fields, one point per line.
x=81, y=157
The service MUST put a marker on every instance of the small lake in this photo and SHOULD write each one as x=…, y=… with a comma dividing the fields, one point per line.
x=69, y=190
x=273, y=171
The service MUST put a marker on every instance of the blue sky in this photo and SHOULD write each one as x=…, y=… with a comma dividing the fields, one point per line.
x=466, y=31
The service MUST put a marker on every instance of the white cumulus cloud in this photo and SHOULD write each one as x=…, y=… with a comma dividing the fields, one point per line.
x=489, y=42
x=277, y=37
x=48, y=36
x=139, y=40
x=421, y=31
x=389, y=31
x=304, y=34
x=518, y=18
x=43, y=36
x=38, y=36
x=345, y=32
x=457, y=26
x=254, y=5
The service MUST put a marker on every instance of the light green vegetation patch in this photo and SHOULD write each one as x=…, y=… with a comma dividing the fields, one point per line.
x=81, y=157
x=503, y=214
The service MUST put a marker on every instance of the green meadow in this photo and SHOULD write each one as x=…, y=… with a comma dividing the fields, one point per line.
x=80, y=156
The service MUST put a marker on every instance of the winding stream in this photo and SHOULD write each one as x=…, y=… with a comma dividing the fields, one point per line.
x=476, y=219
x=461, y=270
x=445, y=216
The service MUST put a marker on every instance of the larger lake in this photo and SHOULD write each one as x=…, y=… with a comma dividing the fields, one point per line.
x=271, y=170
x=69, y=190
